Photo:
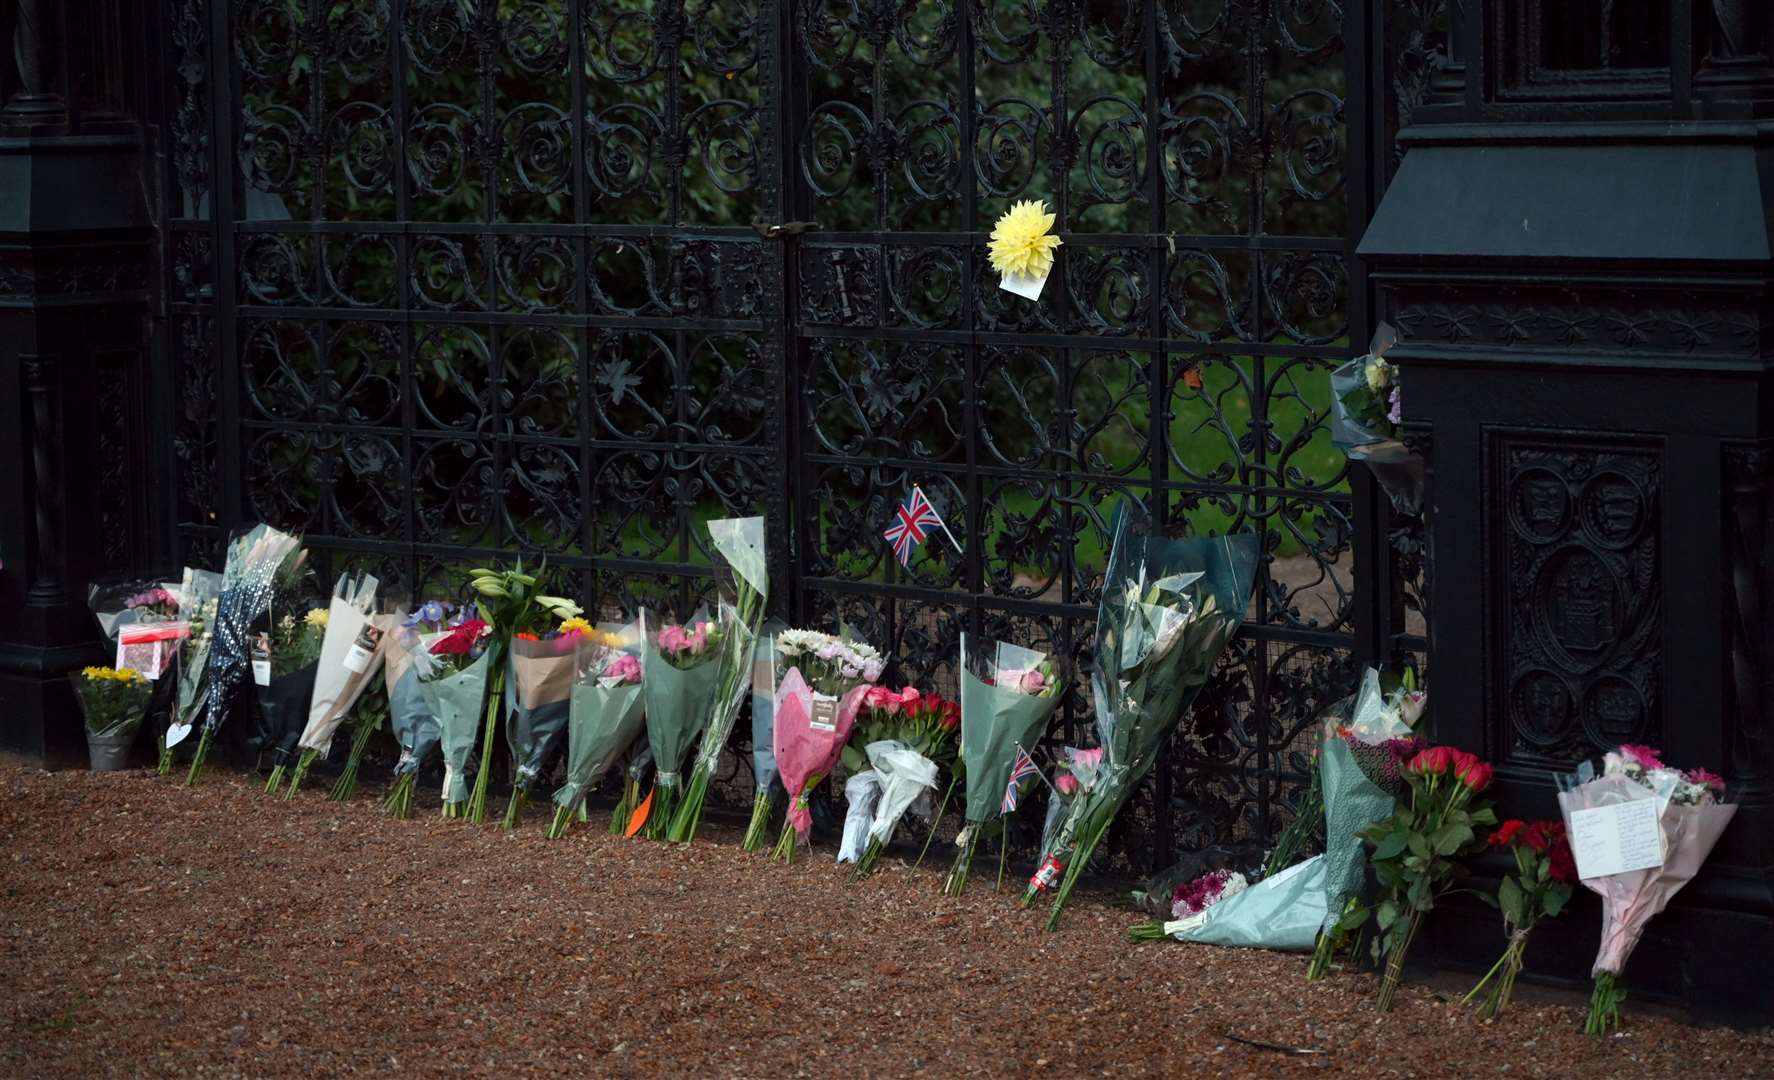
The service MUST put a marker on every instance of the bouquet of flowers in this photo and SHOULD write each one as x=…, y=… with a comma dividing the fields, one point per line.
x=254, y=559
x=817, y=699
x=1636, y=797
x=113, y=701
x=410, y=718
x=1361, y=776
x=1168, y=609
x=537, y=693
x=1402, y=702
x=681, y=672
x=453, y=667
x=293, y=657
x=508, y=601
x=198, y=601
x=741, y=542
x=763, y=728
x=350, y=657
x=605, y=717
x=1008, y=693
x=905, y=775
x=923, y=723
x=1545, y=871
x=1367, y=405
x=1417, y=848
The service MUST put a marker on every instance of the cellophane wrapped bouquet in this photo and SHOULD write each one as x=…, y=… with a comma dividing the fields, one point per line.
x=454, y=666
x=604, y=720
x=1361, y=777
x=1686, y=812
x=680, y=674
x=254, y=559
x=350, y=659
x=1168, y=609
x=1008, y=694
x=901, y=741
x=538, y=692
x=198, y=595
x=509, y=602
x=818, y=694
x=740, y=541
x=286, y=658
x=763, y=731
x=410, y=719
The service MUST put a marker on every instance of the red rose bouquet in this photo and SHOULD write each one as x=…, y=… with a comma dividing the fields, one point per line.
x=1540, y=888
x=1417, y=849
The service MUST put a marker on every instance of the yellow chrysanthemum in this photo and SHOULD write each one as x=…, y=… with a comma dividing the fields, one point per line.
x=575, y=625
x=1021, y=241
x=317, y=617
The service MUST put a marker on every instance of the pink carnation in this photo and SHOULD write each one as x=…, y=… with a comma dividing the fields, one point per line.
x=671, y=639
x=1704, y=779
x=1644, y=755
x=1033, y=682
x=1066, y=783
x=1088, y=759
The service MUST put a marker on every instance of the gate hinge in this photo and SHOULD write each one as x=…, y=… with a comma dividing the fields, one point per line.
x=787, y=228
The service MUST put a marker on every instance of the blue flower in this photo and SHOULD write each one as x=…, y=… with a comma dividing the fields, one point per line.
x=432, y=612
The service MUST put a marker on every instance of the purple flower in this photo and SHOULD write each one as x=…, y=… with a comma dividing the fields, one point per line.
x=1396, y=415
x=432, y=612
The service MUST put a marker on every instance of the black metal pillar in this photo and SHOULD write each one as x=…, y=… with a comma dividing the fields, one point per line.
x=75, y=239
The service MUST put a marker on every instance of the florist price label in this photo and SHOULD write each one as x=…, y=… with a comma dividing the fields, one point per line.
x=1615, y=839
x=825, y=713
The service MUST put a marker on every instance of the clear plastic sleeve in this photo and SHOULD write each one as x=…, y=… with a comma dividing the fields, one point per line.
x=905, y=774
x=763, y=707
x=862, y=793
x=253, y=559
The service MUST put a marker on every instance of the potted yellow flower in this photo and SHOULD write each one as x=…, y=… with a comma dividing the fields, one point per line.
x=114, y=701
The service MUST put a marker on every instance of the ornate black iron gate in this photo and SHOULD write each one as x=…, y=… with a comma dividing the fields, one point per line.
x=447, y=278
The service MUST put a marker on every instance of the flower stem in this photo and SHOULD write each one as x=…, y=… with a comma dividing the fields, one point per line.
x=1604, y=1004
x=1395, y=963
x=300, y=773
x=955, y=883
x=689, y=816
x=477, y=801
x=347, y=785
x=760, y=822
x=785, y=845
x=1080, y=859
x=275, y=781
x=514, y=810
x=665, y=802
x=1322, y=951
x=198, y=759
x=1151, y=930
x=399, y=802
x=165, y=765
x=1003, y=854
x=866, y=865
x=940, y=810
x=563, y=820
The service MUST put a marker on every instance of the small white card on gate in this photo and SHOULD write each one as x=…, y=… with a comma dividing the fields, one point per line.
x=1614, y=839
x=1029, y=288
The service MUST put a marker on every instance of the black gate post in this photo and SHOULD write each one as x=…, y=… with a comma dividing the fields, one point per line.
x=1576, y=254
x=75, y=243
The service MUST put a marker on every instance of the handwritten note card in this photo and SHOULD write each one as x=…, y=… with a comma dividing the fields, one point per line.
x=1614, y=839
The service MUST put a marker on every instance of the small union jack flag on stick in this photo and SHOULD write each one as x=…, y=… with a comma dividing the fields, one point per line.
x=916, y=518
x=1021, y=769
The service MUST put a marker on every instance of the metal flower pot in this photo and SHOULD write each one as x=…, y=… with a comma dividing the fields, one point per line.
x=110, y=753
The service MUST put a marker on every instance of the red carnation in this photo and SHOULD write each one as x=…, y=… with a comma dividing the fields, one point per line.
x=461, y=640
x=1506, y=832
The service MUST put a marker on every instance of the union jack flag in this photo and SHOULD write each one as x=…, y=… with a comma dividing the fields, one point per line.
x=916, y=518
x=1021, y=769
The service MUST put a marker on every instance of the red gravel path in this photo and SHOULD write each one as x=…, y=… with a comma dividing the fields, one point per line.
x=151, y=930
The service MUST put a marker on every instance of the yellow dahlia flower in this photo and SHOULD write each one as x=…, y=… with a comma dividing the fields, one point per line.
x=1021, y=241
x=317, y=617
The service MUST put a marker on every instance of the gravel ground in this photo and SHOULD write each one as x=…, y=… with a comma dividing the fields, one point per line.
x=151, y=930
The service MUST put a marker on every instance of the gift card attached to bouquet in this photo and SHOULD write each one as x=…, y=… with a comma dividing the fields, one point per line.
x=262, y=660
x=825, y=713
x=175, y=734
x=149, y=648
x=363, y=649
x=1615, y=839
